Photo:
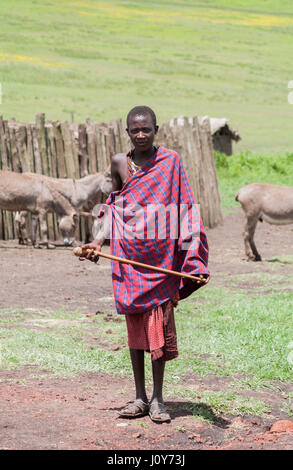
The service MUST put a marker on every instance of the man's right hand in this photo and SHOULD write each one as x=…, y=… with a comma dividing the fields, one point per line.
x=92, y=256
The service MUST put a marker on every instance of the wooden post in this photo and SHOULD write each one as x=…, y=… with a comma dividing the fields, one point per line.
x=82, y=150
x=4, y=166
x=40, y=124
x=1, y=222
x=73, y=132
x=112, y=145
x=209, y=175
x=29, y=147
x=61, y=167
x=68, y=155
x=99, y=147
x=37, y=155
x=52, y=149
x=104, y=160
x=16, y=162
x=91, y=147
x=196, y=156
x=21, y=142
x=7, y=165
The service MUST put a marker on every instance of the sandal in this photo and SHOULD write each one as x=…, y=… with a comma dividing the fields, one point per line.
x=158, y=413
x=135, y=409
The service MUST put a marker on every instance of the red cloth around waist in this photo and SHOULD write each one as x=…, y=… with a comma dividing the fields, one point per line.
x=154, y=331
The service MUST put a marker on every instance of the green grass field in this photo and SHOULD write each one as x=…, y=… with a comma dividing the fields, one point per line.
x=218, y=58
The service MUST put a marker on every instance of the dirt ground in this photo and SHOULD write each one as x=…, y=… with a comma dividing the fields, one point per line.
x=51, y=413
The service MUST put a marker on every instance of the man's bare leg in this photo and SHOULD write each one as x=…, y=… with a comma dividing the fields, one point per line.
x=158, y=367
x=140, y=406
x=158, y=412
x=137, y=360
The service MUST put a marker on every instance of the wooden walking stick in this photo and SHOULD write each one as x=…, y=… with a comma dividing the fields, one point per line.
x=78, y=251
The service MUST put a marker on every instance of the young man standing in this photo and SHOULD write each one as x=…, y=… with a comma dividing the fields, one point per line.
x=150, y=177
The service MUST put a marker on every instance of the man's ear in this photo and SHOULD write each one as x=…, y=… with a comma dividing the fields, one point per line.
x=127, y=130
x=156, y=129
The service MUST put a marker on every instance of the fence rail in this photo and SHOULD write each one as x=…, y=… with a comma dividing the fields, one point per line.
x=69, y=150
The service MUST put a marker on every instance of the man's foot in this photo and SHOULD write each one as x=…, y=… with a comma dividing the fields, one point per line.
x=136, y=409
x=158, y=413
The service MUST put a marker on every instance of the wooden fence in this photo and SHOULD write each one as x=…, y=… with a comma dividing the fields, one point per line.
x=69, y=150
x=193, y=141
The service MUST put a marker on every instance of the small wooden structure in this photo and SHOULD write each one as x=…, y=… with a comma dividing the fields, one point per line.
x=70, y=150
x=223, y=135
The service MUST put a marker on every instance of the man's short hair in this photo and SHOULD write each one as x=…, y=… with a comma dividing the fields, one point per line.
x=142, y=110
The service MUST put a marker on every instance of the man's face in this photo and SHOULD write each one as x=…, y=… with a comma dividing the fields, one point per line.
x=141, y=131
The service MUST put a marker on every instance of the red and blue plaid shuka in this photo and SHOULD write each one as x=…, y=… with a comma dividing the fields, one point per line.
x=141, y=233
